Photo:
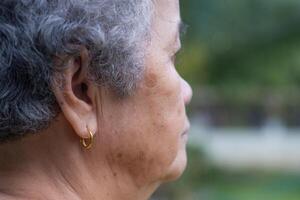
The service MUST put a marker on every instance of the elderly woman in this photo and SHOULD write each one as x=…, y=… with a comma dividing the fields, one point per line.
x=91, y=104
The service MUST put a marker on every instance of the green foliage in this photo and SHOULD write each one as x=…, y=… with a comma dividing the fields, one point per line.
x=250, y=43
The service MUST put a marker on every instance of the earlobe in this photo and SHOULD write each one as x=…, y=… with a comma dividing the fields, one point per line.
x=75, y=95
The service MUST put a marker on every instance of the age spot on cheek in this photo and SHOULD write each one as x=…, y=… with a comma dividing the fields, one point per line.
x=120, y=155
x=151, y=80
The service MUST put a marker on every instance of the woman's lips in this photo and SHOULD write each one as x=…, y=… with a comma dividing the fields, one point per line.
x=186, y=130
x=185, y=133
x=185, y=136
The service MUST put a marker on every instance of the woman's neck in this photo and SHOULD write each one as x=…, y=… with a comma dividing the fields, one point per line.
x=41, y=168
x=45, y=183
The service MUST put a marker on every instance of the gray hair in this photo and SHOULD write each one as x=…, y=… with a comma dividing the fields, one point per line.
x=33, y=32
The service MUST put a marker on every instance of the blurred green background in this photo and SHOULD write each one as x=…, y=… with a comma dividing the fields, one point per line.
x=242, y=59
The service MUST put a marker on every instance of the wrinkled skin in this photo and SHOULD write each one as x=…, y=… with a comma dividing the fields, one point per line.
x=143, y=134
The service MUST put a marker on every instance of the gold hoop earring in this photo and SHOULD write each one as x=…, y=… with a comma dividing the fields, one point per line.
x=83, y=141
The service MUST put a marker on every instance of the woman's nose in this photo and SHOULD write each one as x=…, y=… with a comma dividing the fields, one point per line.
x=187, y=92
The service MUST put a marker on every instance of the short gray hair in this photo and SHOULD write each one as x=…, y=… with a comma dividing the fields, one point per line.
x=33, y=32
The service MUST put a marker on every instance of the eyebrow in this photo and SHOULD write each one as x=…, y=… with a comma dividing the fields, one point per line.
x=182, y=28
x=180, y=32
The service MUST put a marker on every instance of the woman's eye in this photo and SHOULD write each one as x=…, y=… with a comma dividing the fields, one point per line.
x=173, y=58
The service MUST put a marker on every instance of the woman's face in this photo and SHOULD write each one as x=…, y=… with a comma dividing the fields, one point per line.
x=144, y=135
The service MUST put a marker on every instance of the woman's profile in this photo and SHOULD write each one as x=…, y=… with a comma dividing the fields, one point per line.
x=91, y=104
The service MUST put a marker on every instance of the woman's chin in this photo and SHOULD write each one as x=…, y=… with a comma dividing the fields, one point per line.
x=177, y=167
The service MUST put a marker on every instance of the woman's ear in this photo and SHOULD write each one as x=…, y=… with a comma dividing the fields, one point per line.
x=75, y=94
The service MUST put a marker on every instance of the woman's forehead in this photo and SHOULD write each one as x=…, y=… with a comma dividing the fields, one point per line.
x=166, y=22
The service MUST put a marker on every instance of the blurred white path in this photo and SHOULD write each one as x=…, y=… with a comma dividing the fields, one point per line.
x=269, y=148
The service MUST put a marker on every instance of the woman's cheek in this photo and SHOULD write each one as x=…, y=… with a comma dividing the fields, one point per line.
x=148, y=143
